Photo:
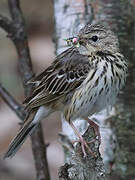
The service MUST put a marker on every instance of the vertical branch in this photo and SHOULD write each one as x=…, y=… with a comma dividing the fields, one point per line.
x=21, y=43
x=39, y=153
x=120, y=15
x=70, y=16
x=17, y=32
x=19, y=37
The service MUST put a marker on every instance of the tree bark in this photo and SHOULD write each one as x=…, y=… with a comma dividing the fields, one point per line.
x=70, y=16
x=119, y=150
x=120, y=15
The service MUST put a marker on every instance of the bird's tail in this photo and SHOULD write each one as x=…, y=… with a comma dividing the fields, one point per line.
x=28, y=127
x=19, y=139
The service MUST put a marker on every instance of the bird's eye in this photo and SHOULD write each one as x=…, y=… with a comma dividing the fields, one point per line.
x=94, y=38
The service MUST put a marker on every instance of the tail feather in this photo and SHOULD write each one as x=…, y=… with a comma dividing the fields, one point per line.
x=28, y=127
x=19, y=139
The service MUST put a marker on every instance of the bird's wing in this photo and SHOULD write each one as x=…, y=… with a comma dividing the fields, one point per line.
x=65, y=74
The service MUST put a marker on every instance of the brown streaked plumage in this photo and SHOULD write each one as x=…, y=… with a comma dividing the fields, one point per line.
x=65, y=75
x=81, y=81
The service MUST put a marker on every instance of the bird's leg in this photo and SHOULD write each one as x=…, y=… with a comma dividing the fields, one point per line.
x=82, y=141
x=96, y=128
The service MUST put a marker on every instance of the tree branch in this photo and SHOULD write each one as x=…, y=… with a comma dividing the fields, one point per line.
x=6, y=24
x=69, y=18
x=12, y=103
x=82, y=168
x=19, y=37
x=122, y=139
x=17, y=32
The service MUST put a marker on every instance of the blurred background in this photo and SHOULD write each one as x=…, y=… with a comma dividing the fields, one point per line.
x=39, y=22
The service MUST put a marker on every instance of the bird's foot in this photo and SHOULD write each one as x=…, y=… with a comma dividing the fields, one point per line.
x=84, y=145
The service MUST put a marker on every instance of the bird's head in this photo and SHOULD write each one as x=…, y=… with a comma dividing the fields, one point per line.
x=97, y=37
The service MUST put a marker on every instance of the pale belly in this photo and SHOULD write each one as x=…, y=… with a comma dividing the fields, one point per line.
x=98, y=91
x=86, y=107
x=88, y=101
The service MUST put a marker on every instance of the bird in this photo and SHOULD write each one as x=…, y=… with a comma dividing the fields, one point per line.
x=81, y=81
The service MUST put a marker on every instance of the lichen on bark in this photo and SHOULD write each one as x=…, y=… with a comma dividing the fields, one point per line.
x=70, y=16
x=125, y=122
x=121, y=17
x=119, y=14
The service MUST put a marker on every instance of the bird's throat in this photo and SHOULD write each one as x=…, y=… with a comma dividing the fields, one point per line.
x=86, y=50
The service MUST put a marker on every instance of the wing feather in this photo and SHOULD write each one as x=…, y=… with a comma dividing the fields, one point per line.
x=66, y=73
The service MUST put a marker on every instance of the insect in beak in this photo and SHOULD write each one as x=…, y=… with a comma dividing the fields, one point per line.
x=72, y=41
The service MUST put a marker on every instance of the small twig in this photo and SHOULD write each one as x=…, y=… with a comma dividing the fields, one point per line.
x=6, y=24
x=17, y=33
x=12, y=103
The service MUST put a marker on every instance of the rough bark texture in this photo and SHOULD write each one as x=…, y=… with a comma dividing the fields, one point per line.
x=79, y=167
x=17, y=33
x=121, y=16
x=70, y=16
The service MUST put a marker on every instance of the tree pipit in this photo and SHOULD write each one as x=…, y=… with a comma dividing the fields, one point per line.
x=81, y=81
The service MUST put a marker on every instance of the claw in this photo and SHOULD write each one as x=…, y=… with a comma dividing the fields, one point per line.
x=84, y=144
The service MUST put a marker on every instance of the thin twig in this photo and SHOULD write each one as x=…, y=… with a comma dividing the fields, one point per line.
x=6, y=24
x=17, y=32
x=12, y=103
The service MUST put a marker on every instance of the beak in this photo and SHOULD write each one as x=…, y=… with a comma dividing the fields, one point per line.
x=81, y=41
